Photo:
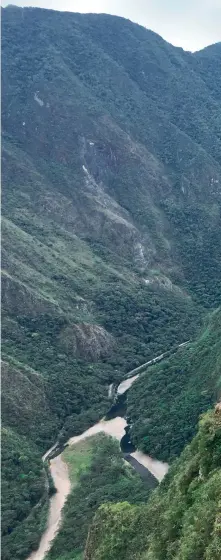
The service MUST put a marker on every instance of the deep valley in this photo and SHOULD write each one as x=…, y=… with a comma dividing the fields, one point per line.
x=111, y=256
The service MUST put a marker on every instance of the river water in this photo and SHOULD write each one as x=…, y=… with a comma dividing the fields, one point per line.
x=116, y=426
x=59, y=473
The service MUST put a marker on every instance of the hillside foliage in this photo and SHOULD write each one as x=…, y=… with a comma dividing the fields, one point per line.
x=24, y=496
x=182, y=517
x=164, y=404
x=111, y=245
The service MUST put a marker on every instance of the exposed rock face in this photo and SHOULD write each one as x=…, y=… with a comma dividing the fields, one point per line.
x=218, y=408
x=116, y=153
x=18, y=299
x=91, y=342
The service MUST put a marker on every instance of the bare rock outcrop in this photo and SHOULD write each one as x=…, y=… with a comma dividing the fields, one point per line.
x=86, y=340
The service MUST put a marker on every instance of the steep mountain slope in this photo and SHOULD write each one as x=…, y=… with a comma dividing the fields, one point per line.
x=182, y=517
x=164, y=404
x=133, y=148
x=111, y=202
x=208, y=66
x=24, y=496
x=171, y=518
x=111, y=210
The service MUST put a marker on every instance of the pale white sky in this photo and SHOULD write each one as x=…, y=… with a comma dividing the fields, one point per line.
x=191, y=24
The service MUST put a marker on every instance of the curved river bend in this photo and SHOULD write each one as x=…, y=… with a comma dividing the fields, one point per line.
x=59, y=472
x=114, y=427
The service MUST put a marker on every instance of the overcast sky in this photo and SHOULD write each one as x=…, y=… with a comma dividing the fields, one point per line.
x=191, y=24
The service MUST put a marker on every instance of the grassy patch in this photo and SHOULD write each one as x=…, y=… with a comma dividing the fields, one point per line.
x=78, y=457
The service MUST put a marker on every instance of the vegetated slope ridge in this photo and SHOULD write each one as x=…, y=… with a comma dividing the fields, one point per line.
x=182, y=517
x=111, y=214
x=165, y=403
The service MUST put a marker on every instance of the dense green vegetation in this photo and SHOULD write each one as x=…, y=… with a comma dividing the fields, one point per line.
x=164, y=404
x=111, y=221
x=98, y=474
x=139, y=318
x=24, y=496
x=182, y=517
x=92, y=259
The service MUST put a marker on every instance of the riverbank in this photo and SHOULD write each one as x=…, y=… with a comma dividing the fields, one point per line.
x=135, y=373
x=157, y=468
x=114, y=427
x=60, y=475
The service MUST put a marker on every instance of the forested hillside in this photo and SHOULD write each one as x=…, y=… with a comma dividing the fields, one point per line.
x=24, y=496
x=164, y=404
x=111, y=243
x=182, y=517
